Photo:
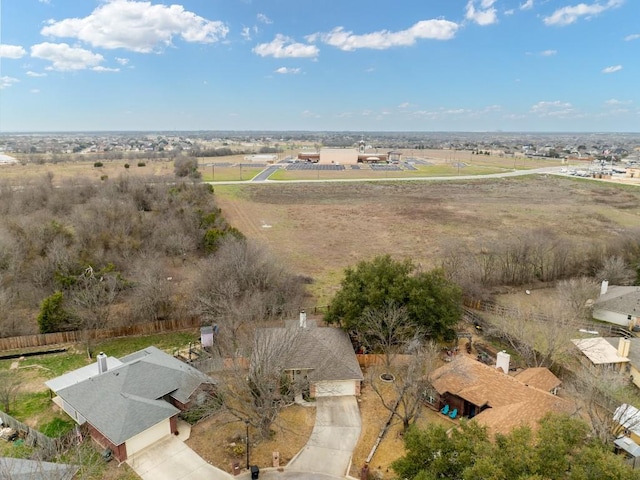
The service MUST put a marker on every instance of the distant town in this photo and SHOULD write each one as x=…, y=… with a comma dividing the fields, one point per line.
x=119, y=145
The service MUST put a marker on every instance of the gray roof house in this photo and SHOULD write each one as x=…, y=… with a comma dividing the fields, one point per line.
x=23, y=469
x=133, y=404
x=619, y=305
x=322, y=355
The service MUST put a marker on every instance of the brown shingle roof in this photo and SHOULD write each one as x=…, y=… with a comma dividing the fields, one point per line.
x=511, y=402
x=538, y=377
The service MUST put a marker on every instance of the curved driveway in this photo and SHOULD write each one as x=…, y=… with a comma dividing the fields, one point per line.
x=334, y=436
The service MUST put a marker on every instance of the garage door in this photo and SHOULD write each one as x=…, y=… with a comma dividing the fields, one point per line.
x=148, y=437
x=336, y=388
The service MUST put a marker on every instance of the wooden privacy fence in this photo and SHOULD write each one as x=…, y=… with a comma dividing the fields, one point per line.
x=42, y=340
x=373, y=359
x=46, y=447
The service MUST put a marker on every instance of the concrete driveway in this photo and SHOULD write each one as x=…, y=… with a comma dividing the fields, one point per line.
x=171, y=459
x=334, y=436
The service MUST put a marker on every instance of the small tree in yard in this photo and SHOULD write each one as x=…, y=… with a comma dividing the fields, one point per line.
x=186, y=167
x=9, y=386
x=410, y=385
x=433, y=303
x=53, y=316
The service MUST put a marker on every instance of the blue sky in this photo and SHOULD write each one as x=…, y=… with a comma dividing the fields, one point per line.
x=417, y=65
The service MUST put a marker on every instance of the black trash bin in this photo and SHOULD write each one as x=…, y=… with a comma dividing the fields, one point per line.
x=255, y=472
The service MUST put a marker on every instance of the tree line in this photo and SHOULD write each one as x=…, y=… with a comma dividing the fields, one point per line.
x=125, y=250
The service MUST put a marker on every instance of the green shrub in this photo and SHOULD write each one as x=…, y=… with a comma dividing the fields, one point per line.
x=126, y=165
x=104, y=177
x=98, y=164
x=142, y=164
x=57, y=427
x=52, y=314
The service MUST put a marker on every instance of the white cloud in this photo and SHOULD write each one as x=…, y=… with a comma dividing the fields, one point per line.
x=612, y=69
x=246, y=33
x=12, y=51
x=35, y=74
x=485, y=14
x=285, y=47
x=285, y=70
x=552, y=109
x=34, y=90
x=571, y=14
x=614, y=102
x=528, y=5
x=47, y=2
x=6, y=81
x=383, y=39
x=548, y=53
x=264, y=19
x=633, y=36
x=105, y=69
x=63, y=57
x=137, y=26
x=122, y=61
x=404, y=105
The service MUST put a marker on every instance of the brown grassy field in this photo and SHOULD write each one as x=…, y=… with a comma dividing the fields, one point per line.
x=319, y=229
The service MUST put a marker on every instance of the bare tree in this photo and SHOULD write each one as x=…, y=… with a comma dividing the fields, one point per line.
x=387, y=330
x=410, y=384
x=575, y=293
x=594, y=389
x=541, y=339
x=242, y=284
x=257, y=393
x=616, y=271
x=92, y=298
x=9, y=388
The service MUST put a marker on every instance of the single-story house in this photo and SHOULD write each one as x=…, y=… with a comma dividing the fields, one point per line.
x=602, y=354
x=321, y=356
x=619, y=305
x=627, y=421
x=25, y=469
x=494, y=398
x=131, y=402
x=629, y=348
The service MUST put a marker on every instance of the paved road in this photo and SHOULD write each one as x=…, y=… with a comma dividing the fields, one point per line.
x=263, y=177
x=266, y=173
x=334, y=436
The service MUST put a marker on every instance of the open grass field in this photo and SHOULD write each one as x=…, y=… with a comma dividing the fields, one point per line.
x=318, y=229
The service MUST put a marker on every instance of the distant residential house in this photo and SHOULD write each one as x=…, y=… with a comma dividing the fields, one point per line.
x=495, y=399
x=322, y=356
x=627, y=420
x=601, y=353
x=618, y=305
x=131, y=402
x=25, y=469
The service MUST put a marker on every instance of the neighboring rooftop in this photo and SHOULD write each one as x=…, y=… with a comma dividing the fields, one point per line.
x=620, y=299
x=599, y=351
x=326, y=351
x=128, y=399
x=24, y=469
x=512, y=403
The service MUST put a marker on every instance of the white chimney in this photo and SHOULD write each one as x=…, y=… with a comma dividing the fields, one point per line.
x=102, y=363
x=502, y=361
x=303, y=319
x=604, y=287
x=624, y=344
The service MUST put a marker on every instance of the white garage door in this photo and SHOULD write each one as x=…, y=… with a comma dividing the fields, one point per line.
x=148, y=437
x=335, y=388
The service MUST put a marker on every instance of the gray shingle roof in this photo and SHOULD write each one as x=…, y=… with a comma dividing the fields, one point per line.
x=326, y=351
x=23, y=469
x=625, y=300
x=127, y=399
